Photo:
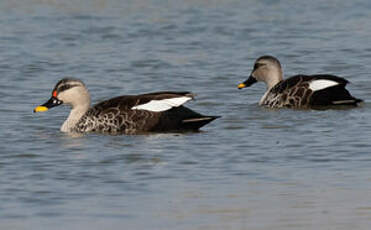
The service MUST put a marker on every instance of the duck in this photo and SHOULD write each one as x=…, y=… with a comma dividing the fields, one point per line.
x=127, y=114
x=300, y=91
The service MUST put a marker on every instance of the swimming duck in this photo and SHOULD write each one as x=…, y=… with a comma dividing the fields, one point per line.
x=299, y=91
x=129, y=114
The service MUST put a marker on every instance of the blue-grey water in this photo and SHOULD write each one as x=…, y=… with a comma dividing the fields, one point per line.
x=254, y=168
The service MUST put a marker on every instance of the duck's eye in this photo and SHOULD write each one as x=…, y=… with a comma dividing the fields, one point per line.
x=257, y=65
x=66, y=86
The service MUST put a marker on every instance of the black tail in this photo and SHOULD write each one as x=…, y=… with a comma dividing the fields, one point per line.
x=197, y=123
x=334, y=96
x=181, y=119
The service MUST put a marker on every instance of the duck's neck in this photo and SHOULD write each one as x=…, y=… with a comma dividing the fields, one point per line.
x=75, y=115
x=270, y=84
x=274, y=81
x=275, y=76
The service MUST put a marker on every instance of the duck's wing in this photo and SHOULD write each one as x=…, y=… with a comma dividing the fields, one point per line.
x=133, y=107
x=329, y=90
x=161, y=101
x=309, y=82
x=313, y=90
x=154, y=102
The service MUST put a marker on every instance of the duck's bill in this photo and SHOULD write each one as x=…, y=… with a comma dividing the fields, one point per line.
x=52, y=102
x=40, y=108
x=251, y=80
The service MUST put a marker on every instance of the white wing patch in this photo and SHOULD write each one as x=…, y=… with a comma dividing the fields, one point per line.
x=163, y=105
x=321, y=84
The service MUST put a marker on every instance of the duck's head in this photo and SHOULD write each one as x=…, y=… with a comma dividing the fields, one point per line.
x=267, y=69
x=67, y=91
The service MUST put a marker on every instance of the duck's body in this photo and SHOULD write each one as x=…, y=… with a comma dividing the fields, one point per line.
x=119, y=115
x=131, y=114
x=300, y=91
x=309, y=91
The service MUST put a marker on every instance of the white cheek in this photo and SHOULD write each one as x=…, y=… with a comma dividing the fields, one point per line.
x=321, y=84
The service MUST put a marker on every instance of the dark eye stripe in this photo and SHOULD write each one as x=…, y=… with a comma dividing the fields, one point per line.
x=257, y=65
x=65, y=87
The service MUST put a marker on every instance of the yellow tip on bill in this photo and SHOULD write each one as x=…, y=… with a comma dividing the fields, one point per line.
x=40, y=108
x=242, y=85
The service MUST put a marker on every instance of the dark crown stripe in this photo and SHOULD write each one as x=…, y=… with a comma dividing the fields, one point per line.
x=67, y=83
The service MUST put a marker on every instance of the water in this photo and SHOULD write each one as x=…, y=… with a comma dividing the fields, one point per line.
x=252, y=169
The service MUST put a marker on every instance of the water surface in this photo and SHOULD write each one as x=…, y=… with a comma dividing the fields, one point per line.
x=254, y=168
